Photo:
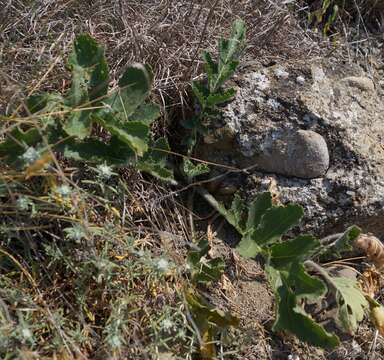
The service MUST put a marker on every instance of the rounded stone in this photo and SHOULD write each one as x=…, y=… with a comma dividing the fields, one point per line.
x=303, y=154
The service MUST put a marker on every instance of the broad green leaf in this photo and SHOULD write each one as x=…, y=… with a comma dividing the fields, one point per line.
x=291, y=317
x=290, y=251
x=146, y=113
x=260, y=204
x=191, y=170
x=350, y=301
x=96, y=151
x=89, y=70
x=78, y=124
x=134, y=88
x=154, y=161
x=133, y=133
x=275, y=222
x=37, y=102
x=303, y=284
x=89, y=82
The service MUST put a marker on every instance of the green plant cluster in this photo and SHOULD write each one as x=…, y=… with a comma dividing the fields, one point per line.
x=65, y=123
x=288, y=263
x=210, y=93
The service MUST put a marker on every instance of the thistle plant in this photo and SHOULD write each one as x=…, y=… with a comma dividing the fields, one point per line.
x=64, y=122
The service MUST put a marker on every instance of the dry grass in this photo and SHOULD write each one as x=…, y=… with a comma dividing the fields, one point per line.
x=168, y=35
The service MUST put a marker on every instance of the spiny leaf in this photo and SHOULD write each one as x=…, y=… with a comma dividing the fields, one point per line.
x=78, y=124
x=191, y=170
x=211, y=67
x=220, y=97
x=154, y=161
x=89, y=81
x=95, y=151
x=201, y=92
x=146, y=113
x=89, y=71
x=343, y=244
x=134, y=88
x=133, y=133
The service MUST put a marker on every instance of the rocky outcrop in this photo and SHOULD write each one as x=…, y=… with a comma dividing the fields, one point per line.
x=318, y=131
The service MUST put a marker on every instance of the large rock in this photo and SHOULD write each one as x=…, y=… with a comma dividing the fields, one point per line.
x=321, y=139
x=302, y=153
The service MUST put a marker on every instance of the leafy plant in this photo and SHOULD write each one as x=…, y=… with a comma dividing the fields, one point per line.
x=209, y=94
x=326, y=14
x=204, y=270
x=64, y=123
x=292, y=273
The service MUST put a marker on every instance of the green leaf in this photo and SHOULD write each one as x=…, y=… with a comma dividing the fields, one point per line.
x=204, y=270
x=96, y=151
x=191, y=170
x=17, y=143
x=36, y=102
x=89, y=71
x=134, y=88
x=220, y=97
x=228, y=54
x=146, y=113
x=350, y=301
x=290, y=251
x=209, y=320
x=211, y=67
x=343, y=244
x=133, y=133
x=275, y=222
x=89, y=82
x=78, y=124
x=260, y=204
x=201, y=92
x=291, y=317
x=305, y=285
x=154, y=161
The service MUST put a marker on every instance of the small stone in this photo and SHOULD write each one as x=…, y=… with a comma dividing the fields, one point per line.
x=361, y=82
x=261, y=81
x=300, y=80
x=281, y=74
x=302, y=154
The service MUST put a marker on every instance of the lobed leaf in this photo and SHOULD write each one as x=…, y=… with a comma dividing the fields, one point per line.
x=291, y=317
x=350, y=301
x=299, y=249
